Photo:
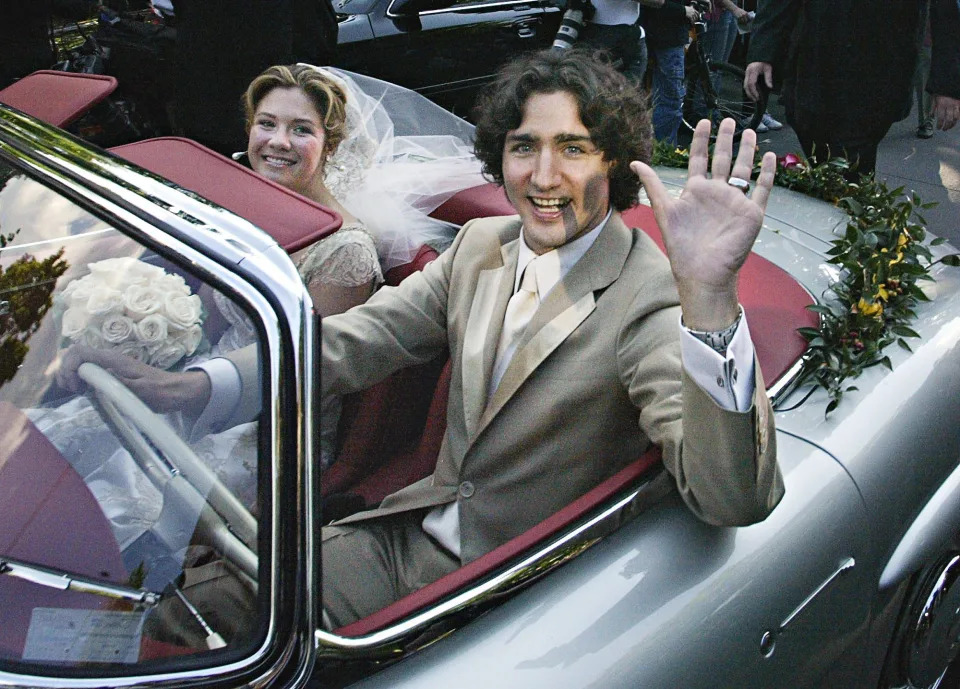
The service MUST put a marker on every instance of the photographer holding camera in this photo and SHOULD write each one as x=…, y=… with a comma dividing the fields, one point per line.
x=610, y=25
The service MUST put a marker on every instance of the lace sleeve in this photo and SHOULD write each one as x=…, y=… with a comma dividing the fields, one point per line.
x=346, y=258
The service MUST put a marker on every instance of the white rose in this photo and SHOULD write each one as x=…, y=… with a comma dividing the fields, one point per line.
x=191, y=338
x=91, y=336
x=170, y=283
x=140, y=301
x=152, y=330
x=167, y=355
x=182, y=311
x=105, y=301
x=117, y=328
x=123, y=272
x=80, y=292
x=134, y=350
x=73, y=322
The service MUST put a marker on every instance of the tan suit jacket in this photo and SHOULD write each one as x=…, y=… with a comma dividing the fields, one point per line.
x=595, y=379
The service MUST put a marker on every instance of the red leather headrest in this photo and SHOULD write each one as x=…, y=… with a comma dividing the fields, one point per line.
x=59, y=98
x=293, y=220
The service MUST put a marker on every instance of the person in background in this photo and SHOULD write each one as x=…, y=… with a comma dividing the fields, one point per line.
x=668, y=29
x=718, y=42
x=846, y=69
x=616, y=27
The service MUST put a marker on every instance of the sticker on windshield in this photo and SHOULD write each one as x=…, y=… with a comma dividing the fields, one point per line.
x=76, y=636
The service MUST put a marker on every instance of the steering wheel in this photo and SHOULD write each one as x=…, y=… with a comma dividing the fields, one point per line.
x=171, y=465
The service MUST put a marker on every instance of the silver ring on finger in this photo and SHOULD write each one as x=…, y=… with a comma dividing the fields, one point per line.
x=739, y=183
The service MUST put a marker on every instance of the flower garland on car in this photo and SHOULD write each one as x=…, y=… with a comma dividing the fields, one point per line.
x=882, y=256
x=137, y=309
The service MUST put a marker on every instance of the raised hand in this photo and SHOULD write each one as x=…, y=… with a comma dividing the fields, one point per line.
x=163, y=391
x=710, y=229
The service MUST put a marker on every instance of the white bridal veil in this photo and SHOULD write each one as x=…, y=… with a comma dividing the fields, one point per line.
x=402, y=157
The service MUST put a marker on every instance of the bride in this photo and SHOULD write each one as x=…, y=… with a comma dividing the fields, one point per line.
x=330, y=136
x=354, y=144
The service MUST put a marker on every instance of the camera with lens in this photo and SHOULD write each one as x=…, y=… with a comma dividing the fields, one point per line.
x=578, y=12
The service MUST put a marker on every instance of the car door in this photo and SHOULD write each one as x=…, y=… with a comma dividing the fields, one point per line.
x=140, y=544
x=444, y=50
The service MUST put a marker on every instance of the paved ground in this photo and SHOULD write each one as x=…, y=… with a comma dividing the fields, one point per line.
x=930, y=167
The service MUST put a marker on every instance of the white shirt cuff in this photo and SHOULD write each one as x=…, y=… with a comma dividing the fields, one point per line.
x=729, y=379
x=225, y=389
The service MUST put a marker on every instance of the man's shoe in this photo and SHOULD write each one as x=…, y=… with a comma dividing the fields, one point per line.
x=761, y=128
x=925, y=130
x=770, y=123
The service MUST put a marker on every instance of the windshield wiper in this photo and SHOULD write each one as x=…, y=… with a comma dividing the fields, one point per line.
x=67, y=581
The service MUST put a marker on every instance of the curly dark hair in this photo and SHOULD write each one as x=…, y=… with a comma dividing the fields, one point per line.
x=614, y=110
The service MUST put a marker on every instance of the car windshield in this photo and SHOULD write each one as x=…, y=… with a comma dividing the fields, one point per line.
x=127, y=536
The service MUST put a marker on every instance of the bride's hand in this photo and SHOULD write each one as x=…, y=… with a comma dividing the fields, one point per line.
x=163, y=391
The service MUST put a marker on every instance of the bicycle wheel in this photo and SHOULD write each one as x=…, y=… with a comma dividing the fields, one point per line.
x=721, y=96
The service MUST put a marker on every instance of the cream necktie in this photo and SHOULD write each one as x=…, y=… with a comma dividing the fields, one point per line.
x=520, y=309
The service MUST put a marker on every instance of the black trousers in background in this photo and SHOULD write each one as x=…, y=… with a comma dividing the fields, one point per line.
x=860, y=150
x=625, y=44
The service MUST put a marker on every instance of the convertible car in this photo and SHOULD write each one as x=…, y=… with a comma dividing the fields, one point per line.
x=134, y=553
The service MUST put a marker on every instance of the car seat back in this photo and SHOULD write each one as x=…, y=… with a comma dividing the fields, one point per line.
x=60, y=98
x=292, y=220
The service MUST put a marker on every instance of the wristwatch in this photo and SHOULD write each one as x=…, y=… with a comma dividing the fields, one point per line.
x=718, y=340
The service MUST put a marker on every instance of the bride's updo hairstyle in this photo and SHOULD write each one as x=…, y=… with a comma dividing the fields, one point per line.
x=327, y=95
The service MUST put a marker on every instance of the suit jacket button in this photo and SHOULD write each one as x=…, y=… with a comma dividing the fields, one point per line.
x=466, y=489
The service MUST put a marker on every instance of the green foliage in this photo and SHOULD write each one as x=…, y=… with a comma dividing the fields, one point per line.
x=26, y=289
x=882, y=257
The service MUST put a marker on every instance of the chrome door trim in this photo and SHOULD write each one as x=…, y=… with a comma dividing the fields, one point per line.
x=415, y=632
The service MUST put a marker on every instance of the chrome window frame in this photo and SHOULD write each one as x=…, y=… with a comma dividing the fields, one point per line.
x=469, y=7
x=225, y=249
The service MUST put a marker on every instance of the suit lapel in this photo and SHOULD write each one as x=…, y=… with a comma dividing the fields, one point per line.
x=494, y=288
x=561, y=312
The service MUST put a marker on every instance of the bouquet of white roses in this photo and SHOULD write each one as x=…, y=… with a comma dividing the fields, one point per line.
x=134, y=308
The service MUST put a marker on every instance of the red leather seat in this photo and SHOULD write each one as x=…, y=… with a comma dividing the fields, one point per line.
x=382, y=429
x=59, y=98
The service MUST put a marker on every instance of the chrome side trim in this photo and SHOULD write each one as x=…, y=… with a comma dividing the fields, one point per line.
x=414, y=633
x=788, y=382
x=844, y=567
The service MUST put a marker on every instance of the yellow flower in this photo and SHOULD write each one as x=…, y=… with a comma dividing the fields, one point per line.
x=902, y=240
x=870, y=309
x=882, y=293
x=897, y=259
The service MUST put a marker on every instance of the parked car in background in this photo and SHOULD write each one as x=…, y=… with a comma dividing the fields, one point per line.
x=445, y=49
x=135, y=554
